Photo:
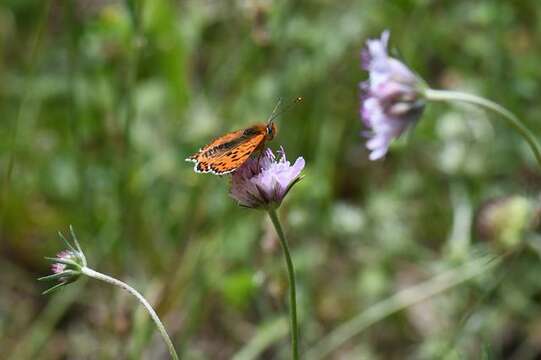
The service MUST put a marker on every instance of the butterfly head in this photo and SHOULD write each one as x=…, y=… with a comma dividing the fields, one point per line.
x=271, y=127
x=270, y=130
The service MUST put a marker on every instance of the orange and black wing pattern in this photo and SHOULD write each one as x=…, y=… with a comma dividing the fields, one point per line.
x=227, y=153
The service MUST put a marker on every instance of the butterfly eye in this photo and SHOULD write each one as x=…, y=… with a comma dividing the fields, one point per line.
x=269, y=130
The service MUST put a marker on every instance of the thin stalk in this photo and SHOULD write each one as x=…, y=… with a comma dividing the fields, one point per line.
x=99, y=276
x=512, y=119
x=400, y=301
x=292, y=293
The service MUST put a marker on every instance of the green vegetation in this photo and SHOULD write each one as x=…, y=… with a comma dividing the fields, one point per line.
x=102, y=100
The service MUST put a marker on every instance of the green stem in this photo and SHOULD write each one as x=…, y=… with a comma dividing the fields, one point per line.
x=292, y=292
x=512, y=119
x=400, y=301
x=108, y=279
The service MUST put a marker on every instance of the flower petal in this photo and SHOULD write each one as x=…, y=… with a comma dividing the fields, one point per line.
x=265, y=181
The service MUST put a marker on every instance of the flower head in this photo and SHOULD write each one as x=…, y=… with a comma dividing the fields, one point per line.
x=67, y=264
x=58, y=268
x=391, y=97
x=264, y=181
x=506, y=219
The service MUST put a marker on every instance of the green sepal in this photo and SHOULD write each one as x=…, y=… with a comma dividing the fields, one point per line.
x=63, y=274
x=63, y=261
x=54, y=288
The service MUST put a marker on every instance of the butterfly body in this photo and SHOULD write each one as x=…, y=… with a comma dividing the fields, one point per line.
x=228, y=152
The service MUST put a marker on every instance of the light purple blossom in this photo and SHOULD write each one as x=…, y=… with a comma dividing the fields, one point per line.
x=391, y=98
x=264, y=181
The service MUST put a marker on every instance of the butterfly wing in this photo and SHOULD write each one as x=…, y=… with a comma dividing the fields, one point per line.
x=216, y=143
x=228, y=152
x=233, y=159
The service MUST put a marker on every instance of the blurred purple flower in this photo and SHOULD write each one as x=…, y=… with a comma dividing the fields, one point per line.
x=264, y=182
x=391, y=98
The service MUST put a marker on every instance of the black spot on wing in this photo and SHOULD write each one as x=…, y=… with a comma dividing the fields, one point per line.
x=219, y=169
x=202, y=166
x=250, y=132
x=218, y=149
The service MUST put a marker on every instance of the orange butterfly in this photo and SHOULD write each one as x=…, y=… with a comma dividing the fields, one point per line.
x=228, y=152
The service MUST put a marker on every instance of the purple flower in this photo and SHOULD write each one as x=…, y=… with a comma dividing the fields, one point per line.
x=264, y=181
x=391, y=98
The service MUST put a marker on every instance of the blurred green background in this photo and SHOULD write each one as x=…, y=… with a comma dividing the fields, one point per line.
x=101, y=101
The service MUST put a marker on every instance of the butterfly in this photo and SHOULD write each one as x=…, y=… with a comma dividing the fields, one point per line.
x=228, y=152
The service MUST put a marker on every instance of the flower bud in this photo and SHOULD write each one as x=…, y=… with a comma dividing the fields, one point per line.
x=504, y=220
x=67, y=264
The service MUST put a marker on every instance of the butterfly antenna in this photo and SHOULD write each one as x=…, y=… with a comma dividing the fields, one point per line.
x=277, y=111
x=274, y=111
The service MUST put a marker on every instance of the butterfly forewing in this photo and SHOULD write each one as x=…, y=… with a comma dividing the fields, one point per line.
x=216, y=143
x=228, y=152
x=234, y=158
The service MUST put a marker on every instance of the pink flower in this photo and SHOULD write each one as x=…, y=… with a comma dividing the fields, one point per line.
x=264, y=181
x=391, y=98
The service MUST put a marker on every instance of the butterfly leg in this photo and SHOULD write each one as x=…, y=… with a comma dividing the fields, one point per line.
x=258, y=158
x=260, y=149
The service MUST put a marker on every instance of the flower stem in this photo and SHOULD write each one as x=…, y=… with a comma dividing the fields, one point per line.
x=108, y=279
x=292, y=293
x=512, y=119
